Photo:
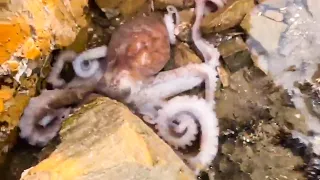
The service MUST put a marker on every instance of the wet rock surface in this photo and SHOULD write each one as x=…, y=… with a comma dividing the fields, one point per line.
x=230, y=16
x=115, y=144
x=255, y=112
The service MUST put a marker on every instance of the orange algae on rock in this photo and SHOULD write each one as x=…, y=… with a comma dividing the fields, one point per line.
x=30, y=29
x=1, y=105
x=13, y=32
x=6, y=94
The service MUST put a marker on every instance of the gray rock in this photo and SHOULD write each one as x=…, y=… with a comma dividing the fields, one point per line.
x=291, y=48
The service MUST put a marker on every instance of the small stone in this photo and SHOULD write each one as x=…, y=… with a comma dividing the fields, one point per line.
x=183, y=55
x=183, y=30
x=162, y=4
x=223, y=76
x=235, y=54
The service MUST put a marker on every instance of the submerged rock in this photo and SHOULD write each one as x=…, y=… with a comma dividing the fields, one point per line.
x=253, y=113
x=106, y=141
x=249, y=160
x=288, y=52
x=235, y=54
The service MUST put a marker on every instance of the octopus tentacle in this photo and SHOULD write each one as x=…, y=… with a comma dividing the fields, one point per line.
x=86, y=64
x=209, y=52
x=173, y=82
x=192, y=110
x=179, y=80
x=53, y=78
x=41, y=133
x=44, y=114
x=169, y=22
x=181, y=114
x=89, y=83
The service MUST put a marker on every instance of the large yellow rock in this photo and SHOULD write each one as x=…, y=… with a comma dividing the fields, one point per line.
x=31, y=28
x=107, y=141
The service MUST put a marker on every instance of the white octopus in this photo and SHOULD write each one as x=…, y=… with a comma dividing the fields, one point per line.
x=129, y=70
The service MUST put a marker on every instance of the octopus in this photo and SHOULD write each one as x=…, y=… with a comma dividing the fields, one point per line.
x=129, y=70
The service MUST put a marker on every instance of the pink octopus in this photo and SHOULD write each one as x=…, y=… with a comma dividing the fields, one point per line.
x=129, y=70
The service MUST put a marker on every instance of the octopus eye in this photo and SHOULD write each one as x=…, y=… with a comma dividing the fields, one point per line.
x=85, y=68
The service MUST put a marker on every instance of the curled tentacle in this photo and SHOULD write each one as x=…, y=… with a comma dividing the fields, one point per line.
x=170, y=23
x=41, y=133
x=44, y=114
x=181, y=115
x=53, y=78
x=86, y=64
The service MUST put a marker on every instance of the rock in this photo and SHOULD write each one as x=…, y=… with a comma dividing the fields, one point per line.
x=162, y=4
x=224, y=76
x=126, y=8
x=183, y=55
x=255, y=161
x=313, y=7
x=289, y=51
x=253, y=119
x=227, y=17
x=8, y=139
x=183, y=31
x=80, y=42
x=30, y=29
x=90, y=36
x=106, y=141
x=217, y=38
x=13, y=106
x=235, y=54
x=256, y=25
x=242, y=101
